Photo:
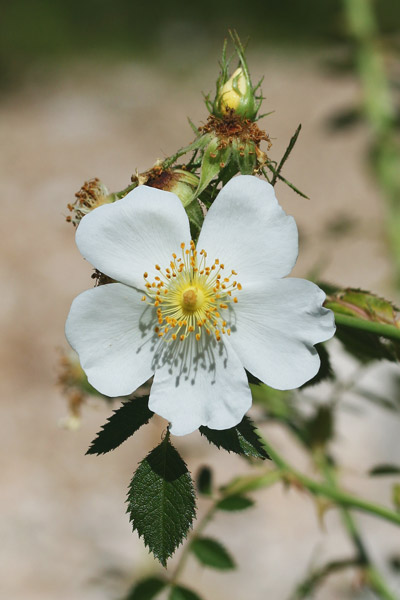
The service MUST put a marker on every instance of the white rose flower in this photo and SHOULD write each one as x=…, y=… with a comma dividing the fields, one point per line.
x=196, y=318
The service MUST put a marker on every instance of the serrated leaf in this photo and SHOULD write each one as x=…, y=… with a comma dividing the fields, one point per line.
x=179, y=592
x=123, y=423
x=204, y=481
x=212, y=553
x=233, y=503
x=161, y=500
x=241, y=439
x=325, y=371
x=385, y=470
x=146, y=589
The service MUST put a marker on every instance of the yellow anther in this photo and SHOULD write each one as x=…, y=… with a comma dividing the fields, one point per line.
x=143, y=298
x=239, y=286
x=173, y=336
x=156, y=329
x=198, y=337
x=182, y=337
x=158, y=267
x=217, y=261
x=182, y=246
x=235, y=300
x=145, y=275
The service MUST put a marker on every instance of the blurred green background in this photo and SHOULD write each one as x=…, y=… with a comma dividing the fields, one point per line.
x=47, y=31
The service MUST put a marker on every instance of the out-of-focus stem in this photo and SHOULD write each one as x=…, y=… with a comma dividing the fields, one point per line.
x=379, y=112
x=373, y=577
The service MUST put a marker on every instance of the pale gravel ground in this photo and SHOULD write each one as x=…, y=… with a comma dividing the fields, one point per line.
x=63, y=529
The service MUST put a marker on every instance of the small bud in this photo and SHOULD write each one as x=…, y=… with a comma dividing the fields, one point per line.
x=178, y=181
x=236, y=96
x=232, y=91
x=92, y=194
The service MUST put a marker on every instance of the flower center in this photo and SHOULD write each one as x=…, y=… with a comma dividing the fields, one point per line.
x=192, y=297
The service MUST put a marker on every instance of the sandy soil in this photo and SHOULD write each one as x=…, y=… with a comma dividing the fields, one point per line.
x=63, y=529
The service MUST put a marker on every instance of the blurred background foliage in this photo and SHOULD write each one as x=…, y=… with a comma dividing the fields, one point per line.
x=48, y=31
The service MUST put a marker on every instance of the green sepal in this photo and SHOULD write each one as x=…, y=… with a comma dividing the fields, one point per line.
x=215, y=159
x=204, y=481
x=161, y=500
x=146, y=589
x=179, y=592
x=235, y=503
x=211, y=553
x=245, y=156
x=196, y=218
x=241, y=439
x=123, y=423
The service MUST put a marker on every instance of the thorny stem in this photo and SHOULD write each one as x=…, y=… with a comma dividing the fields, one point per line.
x=382, y=329
x=291, y=475
x=309, y=584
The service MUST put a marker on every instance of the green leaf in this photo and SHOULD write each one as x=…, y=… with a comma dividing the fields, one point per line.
x=123, y=423
x=179, y=592
x=385, y=470
x=365, y=346
x=241, y=439
x=233, y=503
x=325, y=371
x=319, y=428
x=212, y=554
x=204, y=481
x=161, y=501
x=147, y=589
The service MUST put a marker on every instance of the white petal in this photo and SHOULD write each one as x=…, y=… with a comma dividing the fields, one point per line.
x=200, y=383
x=249, y=232
x=111, y=330
x=275, y=328
x=129, y=237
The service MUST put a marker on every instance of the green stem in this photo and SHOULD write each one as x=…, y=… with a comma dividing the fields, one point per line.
x=309, y=584
x=122, y=193
x=186, y=550
x=326, y=490
x=388, y=331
